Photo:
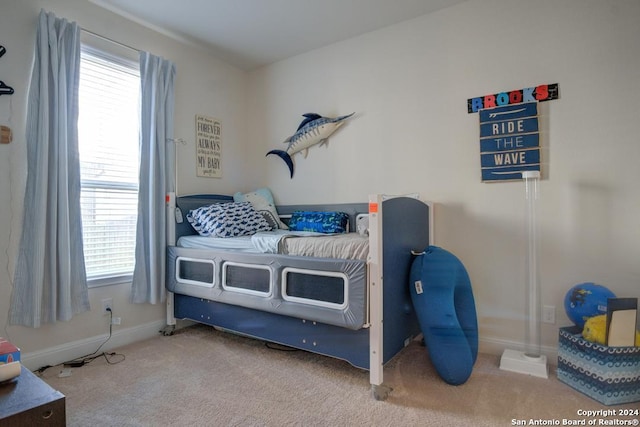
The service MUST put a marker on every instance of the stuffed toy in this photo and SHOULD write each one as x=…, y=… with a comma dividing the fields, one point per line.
x=595, y=330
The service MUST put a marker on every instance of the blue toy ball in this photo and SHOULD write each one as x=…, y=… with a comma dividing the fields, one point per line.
x=586, y=300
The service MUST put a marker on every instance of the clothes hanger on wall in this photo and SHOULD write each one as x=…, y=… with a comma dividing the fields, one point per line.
x=4, y=89
x=6, y=136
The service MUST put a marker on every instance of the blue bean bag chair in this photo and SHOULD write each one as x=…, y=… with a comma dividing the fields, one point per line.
x=443, y=299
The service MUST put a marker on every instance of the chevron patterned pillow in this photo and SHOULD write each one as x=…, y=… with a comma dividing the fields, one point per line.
x=227, y=220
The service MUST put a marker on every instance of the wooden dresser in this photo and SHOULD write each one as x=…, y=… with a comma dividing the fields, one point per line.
x=29, y=401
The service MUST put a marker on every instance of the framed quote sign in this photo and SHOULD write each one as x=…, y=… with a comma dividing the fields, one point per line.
x=208, y=147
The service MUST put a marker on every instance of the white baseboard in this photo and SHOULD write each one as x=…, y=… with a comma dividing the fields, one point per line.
x=55, y=355
x=497, y=346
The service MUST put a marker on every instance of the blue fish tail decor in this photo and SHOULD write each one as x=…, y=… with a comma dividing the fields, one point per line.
x=314, y=129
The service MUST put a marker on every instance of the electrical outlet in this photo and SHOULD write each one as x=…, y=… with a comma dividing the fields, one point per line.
x=107, y=303
x=116, y=320
x=549, y=314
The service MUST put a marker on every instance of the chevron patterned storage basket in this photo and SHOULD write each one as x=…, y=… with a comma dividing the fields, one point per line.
x=610, y=375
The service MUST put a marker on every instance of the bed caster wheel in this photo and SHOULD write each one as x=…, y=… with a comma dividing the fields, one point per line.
x=168, y=330
x=380, y=392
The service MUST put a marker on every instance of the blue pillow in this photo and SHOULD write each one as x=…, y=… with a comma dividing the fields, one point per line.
x=227, y=220
x=320, y=222
x=443, y=300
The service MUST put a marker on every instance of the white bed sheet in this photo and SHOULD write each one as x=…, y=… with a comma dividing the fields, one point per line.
x=242, y=243
x=343, y=246
x=266, y=242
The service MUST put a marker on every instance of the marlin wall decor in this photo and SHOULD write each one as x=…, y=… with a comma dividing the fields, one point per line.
x=314, y=129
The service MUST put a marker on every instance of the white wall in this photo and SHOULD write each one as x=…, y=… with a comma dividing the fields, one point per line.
x=409, y=84
x=204, y=85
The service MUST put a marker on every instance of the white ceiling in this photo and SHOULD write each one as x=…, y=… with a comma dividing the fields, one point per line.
x=252, y=33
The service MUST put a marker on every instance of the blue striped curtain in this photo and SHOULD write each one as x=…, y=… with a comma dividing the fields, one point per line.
x=50, y=280
x=156, y=130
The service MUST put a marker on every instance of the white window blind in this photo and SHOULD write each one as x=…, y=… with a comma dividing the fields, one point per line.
x=108, y=132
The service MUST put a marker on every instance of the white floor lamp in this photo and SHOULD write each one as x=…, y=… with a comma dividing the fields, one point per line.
x=530, y=361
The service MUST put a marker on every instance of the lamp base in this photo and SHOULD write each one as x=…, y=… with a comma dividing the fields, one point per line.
x=517, y=361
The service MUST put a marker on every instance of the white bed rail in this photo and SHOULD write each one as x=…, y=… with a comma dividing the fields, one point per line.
x=170, y=204
x=376, y=291
x=376, y=298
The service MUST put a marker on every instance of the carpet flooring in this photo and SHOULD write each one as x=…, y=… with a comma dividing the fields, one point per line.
x=204, y=377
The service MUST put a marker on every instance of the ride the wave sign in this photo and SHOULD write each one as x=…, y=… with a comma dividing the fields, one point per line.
x=509, y=141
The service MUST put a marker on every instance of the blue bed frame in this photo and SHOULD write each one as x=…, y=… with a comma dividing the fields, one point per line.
x=398, y=226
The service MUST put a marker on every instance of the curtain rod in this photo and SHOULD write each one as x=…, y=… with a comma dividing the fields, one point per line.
x=110, y=40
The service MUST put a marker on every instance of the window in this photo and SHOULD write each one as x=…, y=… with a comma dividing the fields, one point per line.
x=108, y=134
